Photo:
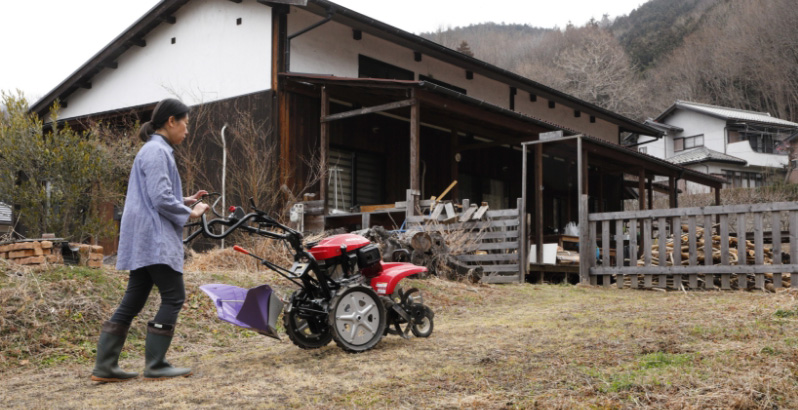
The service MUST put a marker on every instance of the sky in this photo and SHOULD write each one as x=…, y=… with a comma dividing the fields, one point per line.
x=44, y=41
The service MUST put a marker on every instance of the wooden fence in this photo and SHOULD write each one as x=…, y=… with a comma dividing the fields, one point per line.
x=622, y=239
x=487, y=238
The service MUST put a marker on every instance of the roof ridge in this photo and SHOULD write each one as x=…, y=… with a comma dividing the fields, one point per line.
x=722, y=108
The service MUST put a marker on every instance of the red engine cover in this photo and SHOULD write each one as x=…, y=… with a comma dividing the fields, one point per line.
x=331, y=247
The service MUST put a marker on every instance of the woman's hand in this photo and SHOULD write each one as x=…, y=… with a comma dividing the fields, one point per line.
x=198, y=210
x=194, y=198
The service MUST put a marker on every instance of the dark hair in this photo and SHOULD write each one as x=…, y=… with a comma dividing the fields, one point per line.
x=169, y=107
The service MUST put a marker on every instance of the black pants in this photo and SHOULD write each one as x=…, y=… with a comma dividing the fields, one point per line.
x=170, y=285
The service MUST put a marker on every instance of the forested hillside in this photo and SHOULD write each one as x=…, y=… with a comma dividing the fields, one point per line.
x=735, y=53
x=658, y=27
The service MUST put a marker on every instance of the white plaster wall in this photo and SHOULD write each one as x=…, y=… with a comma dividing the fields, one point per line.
x=212, y=59
x=714, y=129
x=743, y=150
x=564, y=115
x=655, y=148
x=331, y=49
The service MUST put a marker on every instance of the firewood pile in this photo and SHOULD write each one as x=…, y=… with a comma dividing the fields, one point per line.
x=423, y=248
x=684, y=250
x=734, y=257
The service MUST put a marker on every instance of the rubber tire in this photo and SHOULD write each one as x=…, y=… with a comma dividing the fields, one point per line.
x=378, y=304
x=427, y=315
x=298, y=337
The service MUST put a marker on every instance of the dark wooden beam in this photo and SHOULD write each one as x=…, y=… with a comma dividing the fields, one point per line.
x=585, y=172
x=485, y=145
x=650, y=187
x=112, y=65
x=368, y=110
x=641, y=189
x=672, y=191
x=86, y=85
x=279, y=39
x=325, y=145
x=415, y=146
x=454, y=143
x=480, y=114
x=538, y=187
x=171, y=19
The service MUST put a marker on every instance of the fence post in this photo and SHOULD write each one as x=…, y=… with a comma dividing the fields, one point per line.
x=585, y=254
x=522, y=243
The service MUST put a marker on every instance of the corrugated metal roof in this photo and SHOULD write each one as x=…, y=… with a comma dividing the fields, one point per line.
x=704, y=154
x=5, y=214
x=728, y=113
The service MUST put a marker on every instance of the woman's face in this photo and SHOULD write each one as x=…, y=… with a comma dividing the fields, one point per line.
x=177, y=129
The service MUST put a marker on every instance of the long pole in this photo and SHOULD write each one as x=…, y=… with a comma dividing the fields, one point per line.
x=522, y=240
x=224, y=172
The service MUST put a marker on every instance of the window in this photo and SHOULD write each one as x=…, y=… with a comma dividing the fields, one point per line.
x=442, y=84
x=737, y=179
x=642, y=150
x=355, y=178
x=680, y=144
x=371, y=68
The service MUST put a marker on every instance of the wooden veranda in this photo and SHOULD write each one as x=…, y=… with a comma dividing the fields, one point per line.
x=425, y=136
x=601, y=170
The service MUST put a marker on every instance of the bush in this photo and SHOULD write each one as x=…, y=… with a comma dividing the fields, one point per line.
x=58, y=178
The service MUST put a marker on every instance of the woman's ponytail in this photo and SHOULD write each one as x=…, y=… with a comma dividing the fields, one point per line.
x=146, y=130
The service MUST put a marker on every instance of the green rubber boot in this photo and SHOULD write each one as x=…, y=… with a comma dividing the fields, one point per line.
x=106, y=368
x=159, y=337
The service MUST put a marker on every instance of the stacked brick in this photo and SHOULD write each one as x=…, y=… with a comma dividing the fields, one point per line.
x=40, y=252
x=90, y=255
x=31, y=253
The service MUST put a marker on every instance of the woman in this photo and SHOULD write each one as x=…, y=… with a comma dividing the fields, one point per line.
x=151, y=247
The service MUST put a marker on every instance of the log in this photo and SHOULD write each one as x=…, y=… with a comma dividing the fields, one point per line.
x=421, y=241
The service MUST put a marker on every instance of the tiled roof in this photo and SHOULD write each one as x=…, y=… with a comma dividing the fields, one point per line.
x=728, y=113
x=703, y=154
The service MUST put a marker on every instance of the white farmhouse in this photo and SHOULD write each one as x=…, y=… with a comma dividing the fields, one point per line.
x=746, y=148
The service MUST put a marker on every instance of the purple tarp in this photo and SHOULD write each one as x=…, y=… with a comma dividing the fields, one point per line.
x=250, y=308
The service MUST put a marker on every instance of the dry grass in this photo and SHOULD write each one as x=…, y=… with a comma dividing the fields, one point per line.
x=509, y=346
